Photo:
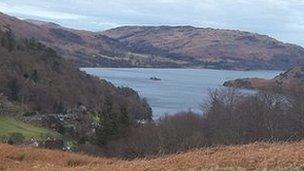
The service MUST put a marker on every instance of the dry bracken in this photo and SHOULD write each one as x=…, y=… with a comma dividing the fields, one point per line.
x=256, y=156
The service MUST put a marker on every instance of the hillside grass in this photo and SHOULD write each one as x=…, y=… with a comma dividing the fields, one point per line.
x=9, y=125
x=256, y=156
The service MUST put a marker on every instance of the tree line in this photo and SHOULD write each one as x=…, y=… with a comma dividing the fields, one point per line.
x=230, y=117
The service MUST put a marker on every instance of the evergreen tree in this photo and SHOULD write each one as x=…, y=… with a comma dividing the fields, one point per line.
x=106, y=129
x=7, y=39
x=34, y=76
x=14, y=89
x=124, y=118
x=59, y=107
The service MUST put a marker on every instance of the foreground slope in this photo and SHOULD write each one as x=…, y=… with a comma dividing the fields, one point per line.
x=277, y=156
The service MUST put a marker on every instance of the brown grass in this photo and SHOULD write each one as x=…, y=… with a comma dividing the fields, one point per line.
x=278, y=156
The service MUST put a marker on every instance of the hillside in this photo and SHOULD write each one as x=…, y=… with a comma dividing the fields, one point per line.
x=291, y=79
x=28, y=67
x=163, y=46
x=277, y=156
x=43, y=89
x=83, y=46
x=213, y=48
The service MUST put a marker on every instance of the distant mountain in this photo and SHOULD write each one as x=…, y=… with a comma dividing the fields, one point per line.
x=163, y=46
x=214, y=48
x=291, y=79
x=84, y=47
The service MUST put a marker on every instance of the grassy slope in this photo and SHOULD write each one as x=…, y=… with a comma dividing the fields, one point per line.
x=9, y=125
x=278, y=156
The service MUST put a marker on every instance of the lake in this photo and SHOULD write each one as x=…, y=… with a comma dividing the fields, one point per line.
x=178, y=89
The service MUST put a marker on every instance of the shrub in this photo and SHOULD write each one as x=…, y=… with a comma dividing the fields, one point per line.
x=74, y=162
x=28, y=114
x=15, y=138
x=19, y=157
x=3, y=139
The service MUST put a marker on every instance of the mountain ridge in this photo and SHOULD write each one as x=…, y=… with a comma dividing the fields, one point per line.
x=213, y=46
x=161, y=46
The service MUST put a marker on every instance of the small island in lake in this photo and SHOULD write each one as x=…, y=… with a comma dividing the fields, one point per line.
x=155, y=79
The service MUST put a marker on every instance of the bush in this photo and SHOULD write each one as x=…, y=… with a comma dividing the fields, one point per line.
x=28, y=114
x=3, y=139
x=15, y=138
x=19, y=157
x=74, y=162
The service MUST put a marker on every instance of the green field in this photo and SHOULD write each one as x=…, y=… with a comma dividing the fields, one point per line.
x=10, y=125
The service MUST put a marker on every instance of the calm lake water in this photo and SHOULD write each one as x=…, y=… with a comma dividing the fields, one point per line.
x=178, y=90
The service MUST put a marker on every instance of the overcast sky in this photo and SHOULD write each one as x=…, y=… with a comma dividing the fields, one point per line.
x=282, y=19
